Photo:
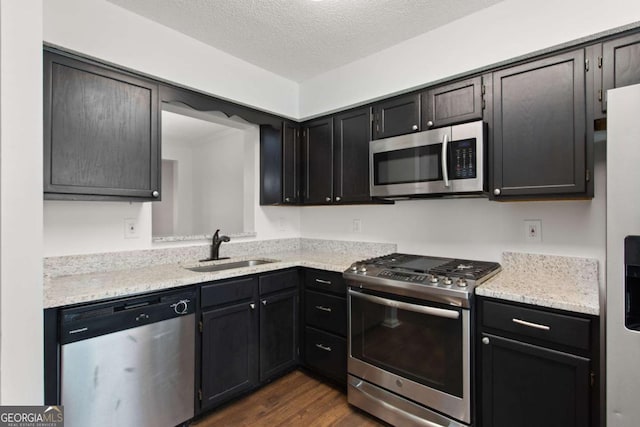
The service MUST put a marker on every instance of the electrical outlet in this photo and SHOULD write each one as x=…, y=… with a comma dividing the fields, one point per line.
x=357, y=226
x=131, y=228
x=533, y=230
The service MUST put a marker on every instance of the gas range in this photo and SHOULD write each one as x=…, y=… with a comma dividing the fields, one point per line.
x=447, y=280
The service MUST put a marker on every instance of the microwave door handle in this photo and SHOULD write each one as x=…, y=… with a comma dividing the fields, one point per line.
x=433, y=311
x=445, y=172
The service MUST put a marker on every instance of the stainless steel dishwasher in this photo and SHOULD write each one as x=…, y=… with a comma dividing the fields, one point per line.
x=129, y=362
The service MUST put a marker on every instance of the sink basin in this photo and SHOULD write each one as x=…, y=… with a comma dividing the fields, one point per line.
x=228, y=265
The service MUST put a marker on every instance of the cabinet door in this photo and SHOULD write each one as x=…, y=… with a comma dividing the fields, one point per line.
x=397, y=116
x=351, y=156
x=539, y=128
x=271, y=165
x=620, y=64
x=529, y=386
x=100, y=132
x=278, y=333
x=291, y=166
x=453, y=103
x=229, y=352
x=326, y=354
x=318, y=139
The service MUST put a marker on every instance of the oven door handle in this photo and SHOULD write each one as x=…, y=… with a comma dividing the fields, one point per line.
x=433, y=311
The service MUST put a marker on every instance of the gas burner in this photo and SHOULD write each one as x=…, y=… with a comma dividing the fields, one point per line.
x=447, y=280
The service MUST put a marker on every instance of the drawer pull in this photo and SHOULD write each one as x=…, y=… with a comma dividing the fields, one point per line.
x=327, y=309
x=531, y=325
x=323, y=347
x=324, y=282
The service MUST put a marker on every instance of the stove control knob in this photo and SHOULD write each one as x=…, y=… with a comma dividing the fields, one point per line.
x=363, y=269
x=447, y=281
x=354, y=267
x=434, y=279
x=462, y=283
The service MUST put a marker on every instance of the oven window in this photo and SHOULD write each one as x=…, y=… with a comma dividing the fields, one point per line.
x=416, y=164
x=423, y=348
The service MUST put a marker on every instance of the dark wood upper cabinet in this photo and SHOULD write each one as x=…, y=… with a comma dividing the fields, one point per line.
x=318, y=155
x=452, y=103
x=351, y=156
x=101, y=137
x=539, y=126
x=397, y=116
x=620, y=64
x=291, y=164
x=271, y=165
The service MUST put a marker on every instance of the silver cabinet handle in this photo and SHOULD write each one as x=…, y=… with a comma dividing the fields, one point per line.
x=287, y=199
x=497, y=191
x=327, y=199
x=324, y=282
x=531, y=325
x=338, y=199
x=485, y=340
x=429, y=123
x=433, y=311
x=414, y=127
x=445, y=172
x=155, y=193
x=264, y=302
x=253, y=306
x=322, y=347
x=327, y=309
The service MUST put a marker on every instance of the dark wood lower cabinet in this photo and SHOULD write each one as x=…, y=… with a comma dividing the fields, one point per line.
x=229, y=352
x=536, y=366
x=249, y=334
x=529, y=386
x=278, y=333
x=325, y=324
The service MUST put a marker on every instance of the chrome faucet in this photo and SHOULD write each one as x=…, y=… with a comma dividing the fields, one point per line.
x=215, y=245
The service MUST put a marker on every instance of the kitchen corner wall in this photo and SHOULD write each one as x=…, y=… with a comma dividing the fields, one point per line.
x=21, y=343
x=501, y=32
x=473, y=228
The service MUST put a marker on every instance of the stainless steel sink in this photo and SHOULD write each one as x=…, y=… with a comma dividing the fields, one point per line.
x=228, y=265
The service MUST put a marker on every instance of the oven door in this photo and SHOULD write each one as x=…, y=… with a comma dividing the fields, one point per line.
x=416, y=349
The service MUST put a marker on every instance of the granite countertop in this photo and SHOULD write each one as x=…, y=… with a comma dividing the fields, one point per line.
x=80, y=288
x=564, y=283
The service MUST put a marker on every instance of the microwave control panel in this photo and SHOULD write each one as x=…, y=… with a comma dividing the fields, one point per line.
x=463, y=159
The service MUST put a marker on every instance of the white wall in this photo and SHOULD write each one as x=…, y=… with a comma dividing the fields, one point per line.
x=91, y=227
x=21, y=347
x=504, y=31
x=183, y=180
x=108, y=32
x=472, y=228
x=219, y=182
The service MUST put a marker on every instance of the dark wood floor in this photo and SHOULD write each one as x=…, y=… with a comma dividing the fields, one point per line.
x=293, y=400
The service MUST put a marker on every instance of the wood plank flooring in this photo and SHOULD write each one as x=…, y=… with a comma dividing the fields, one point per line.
x=296, y=399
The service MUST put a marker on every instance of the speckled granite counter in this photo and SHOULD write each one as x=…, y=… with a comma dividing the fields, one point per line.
x=138, y=276
x=564, y=283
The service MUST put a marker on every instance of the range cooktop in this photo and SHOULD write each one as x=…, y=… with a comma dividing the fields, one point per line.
x=448, y=280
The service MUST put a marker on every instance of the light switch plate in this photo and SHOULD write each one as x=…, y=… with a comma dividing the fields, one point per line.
x=533, y=230
x=131, y=228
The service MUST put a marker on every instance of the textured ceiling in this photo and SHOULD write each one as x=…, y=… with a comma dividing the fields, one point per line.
x=299, y=39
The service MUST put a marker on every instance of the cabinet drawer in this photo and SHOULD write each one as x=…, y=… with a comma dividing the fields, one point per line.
x=327, y=281
x=326, y=353
x=326, y=312
x=551, y=327
x=278, y=281
x=223, y=293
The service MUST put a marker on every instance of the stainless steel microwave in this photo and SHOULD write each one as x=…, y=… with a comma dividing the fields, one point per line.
x=438, y=162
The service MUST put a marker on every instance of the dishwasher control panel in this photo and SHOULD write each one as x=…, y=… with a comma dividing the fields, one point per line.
x=97, y=319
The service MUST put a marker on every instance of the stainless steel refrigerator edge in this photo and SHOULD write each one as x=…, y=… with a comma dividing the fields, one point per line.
x=623, y=219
